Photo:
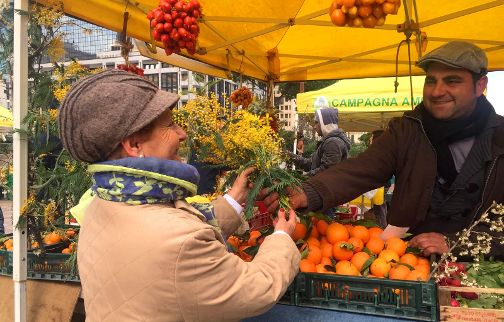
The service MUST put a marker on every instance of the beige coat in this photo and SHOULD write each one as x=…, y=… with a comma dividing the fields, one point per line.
x=162, y=263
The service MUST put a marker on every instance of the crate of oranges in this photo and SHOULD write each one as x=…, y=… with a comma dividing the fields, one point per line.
x=55, y=260
x=349, y=267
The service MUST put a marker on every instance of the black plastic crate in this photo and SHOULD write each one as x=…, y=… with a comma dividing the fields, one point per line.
x=394, y=298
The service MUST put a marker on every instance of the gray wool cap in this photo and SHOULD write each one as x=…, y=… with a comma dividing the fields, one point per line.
x=457, y=54
x=101, y=110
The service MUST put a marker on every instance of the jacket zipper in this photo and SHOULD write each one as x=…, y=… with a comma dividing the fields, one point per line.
x=494, y=162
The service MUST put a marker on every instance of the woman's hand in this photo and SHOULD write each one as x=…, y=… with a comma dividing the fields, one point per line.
x=284, y=224
x=297, y=199
x=241, y=186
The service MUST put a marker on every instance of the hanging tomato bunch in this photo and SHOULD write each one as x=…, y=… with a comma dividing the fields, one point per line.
x=358, y=13
x=242, y=96
x=175, y=24
x=131, y=68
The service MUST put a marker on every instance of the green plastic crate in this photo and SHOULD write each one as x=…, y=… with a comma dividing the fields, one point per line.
x=393, y=298
x=51, y=266
x=5, y=263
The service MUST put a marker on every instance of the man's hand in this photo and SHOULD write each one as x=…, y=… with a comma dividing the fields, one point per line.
x=241, y=186
x=297, y=199
x=284, y=224
x=430, y=243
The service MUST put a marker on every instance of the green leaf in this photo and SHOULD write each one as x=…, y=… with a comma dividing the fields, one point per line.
x=368, y=263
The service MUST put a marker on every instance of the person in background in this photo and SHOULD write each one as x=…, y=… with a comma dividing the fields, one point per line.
x=447, y=156
x=332, y=149
x=300, y=144
x=2, y=229
x=144, y=252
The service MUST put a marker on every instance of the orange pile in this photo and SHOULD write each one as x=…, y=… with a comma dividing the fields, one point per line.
x=334, y=248
x=246, y=248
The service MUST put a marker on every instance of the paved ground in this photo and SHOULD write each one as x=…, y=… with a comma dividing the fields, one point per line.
x=7, y=212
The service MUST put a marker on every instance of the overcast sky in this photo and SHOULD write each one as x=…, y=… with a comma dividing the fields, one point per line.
x=495, y=91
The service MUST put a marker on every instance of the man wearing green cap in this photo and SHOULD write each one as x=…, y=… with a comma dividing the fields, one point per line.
x=446, y=156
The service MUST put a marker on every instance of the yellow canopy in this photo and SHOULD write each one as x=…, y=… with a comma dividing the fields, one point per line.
x=5, y=117
x=364, y=104
x=237, y=36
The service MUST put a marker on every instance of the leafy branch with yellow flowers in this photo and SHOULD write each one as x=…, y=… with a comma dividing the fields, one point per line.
x=237, y=139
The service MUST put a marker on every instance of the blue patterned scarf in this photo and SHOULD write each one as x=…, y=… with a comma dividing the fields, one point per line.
x=139, y=181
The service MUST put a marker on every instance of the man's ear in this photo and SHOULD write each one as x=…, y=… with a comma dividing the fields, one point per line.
x=481, y=85
x=132, y=146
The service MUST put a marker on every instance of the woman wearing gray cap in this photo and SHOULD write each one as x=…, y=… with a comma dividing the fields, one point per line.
x=144, y=253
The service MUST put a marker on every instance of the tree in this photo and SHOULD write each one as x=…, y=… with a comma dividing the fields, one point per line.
x=290, y=90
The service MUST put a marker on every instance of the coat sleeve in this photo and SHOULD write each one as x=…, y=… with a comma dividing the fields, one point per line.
x=302, y=162
x=332, y=153
x=227, y=218
x=350, y=178
x=214, y=285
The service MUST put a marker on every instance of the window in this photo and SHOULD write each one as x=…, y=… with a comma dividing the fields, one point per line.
x=153, y=78
x=165, y=65
x=183, y=77
x=169, y=82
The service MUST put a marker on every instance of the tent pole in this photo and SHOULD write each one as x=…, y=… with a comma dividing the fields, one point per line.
x=20, y=152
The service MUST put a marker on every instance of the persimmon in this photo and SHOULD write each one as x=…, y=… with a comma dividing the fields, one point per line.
x=360, y=232
x=337, y=232
x=299, y=232
x=380, y=267
x=307, y=266
x=326, y=261
x=375, y=245
x=314, y=231
x=342, y=251
x=358, y=259
x=397, y=245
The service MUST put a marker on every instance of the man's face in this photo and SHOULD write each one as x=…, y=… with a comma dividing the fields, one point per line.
x=450, y=93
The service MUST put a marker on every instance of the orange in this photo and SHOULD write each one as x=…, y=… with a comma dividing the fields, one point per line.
x=323, y=241
x=307, y=266
x=341, y=251
x=254, y=234
x=322, y=227
x=243, y=255
x=357, y=243
x=327, y=249
x=380, y=267
x=396, y=244
x=360, y=232
x=399, y=272
x=347, y=268
x=66, y=251
x=358, y=259
x=52, y=238
x=424, y=262
x=321, y=268
x=375, y=245
x=234, y=242
x=417, y=275
x=389, y=256
x=313, y=241
x=314, y=232
x=375, y=232
x=299, y=232
x=336, y=232
x=349, y=227
x=314, y=255
x=8, y=243
x=326, y=261
x=70, y=233
x=409, y=259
